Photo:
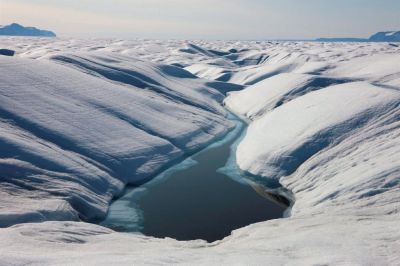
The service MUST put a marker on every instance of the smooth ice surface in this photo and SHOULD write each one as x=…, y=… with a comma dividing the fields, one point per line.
x=342, y=142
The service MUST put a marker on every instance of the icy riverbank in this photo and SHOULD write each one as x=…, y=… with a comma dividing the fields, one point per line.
x=194, y=199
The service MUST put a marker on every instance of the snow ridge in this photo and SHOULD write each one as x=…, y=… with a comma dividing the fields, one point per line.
x=69, y=136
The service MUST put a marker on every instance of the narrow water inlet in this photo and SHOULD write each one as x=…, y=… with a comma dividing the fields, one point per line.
x=195, y=199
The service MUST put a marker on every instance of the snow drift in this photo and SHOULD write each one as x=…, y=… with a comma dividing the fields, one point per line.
x=72, y=141
x=308, y=124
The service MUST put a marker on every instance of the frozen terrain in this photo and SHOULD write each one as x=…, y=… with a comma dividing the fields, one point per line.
x=74, y=139
x=82, y=118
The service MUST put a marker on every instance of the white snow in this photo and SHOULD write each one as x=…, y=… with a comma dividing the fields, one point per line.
x=382, y=69
x=273, y=92
x=308, y=124
x=81, y=118
x=72, y=136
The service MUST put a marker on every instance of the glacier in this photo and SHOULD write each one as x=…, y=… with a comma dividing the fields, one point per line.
x=80, y=119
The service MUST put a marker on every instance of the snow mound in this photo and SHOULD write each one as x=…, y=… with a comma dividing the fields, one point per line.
x=156, y=77
x=306, y=125
x=144, y=75
x=73, y=140
x=270, y=93
x=275, y=64
x=358, y=176
x=207, y=71
x=195, y=49
x=379, y=69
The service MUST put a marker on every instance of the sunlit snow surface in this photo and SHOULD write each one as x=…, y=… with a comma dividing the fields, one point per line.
x=81, y=118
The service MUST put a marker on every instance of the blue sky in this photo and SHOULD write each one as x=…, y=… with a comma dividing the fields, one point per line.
x=206, y=19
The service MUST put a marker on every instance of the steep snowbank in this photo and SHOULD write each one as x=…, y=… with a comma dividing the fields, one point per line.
x=308, y=124
x=270, y=93
x=71, y=140
x=380, y=69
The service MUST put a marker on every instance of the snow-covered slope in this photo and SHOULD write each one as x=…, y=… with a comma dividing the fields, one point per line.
x=275, y=91
x=309, y=124
x=72, y=140
x=378, y=69
x=335, y=147
x=87, y=116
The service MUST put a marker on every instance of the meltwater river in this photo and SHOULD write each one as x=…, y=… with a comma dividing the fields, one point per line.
x=203, y=197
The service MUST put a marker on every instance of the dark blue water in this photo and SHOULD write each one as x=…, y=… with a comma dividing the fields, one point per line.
x=194, y=201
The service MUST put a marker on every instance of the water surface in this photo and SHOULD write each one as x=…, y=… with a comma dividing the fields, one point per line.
x=193, y=200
